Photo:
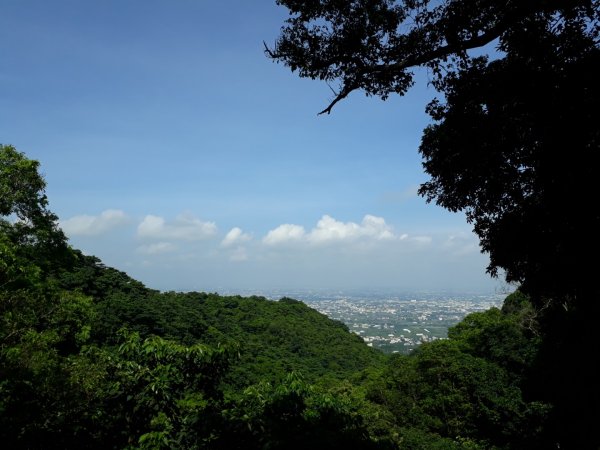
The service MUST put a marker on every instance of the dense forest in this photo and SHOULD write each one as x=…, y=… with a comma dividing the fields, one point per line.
x=90, y=358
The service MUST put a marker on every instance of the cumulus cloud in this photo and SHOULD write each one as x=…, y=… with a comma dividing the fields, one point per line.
x=284, y=233
x=185, y=227
x=157, y=248
x=235, y=236
x=85, y=225
x=328, y=229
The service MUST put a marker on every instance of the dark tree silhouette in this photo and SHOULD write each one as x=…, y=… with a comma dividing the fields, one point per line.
x=514, y=144
x=515, y=134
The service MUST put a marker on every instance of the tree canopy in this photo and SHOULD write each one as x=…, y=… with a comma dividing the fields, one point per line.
x=513, y=143
x=90, y=358
x=28, y=229
x=515, y=129
x=373, y=44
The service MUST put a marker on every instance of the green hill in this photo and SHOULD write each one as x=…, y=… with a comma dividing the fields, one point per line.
x=91, y=358
x=273, y=337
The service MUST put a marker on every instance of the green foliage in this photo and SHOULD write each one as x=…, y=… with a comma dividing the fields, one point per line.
x=274, y=337
x=168, y=394
x=40, y=336
x=31, y=244
x=418, y=439
x=14, y=268
x=21, y=186
x=90, y=358
x=502, y=338
x=295, y=415
x=42, y=326
x=280, y=337
x=90, y=276
x=70, y=377
x=469, y=391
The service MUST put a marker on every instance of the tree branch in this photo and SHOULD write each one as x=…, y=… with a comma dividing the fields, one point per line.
x=475, y=42
x=270, y=52
x=480, y=40
x=340, y=96
x=446, y=50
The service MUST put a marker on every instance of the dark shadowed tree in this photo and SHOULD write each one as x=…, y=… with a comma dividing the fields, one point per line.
x=513, y=144
x=514, y=136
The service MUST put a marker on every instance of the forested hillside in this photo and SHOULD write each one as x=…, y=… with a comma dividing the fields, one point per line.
x=273, y=338
x=90, y=358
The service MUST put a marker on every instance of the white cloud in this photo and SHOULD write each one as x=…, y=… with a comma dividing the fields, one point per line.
x=238, y=255
x=85, y=225
x=328, y=229
x=157, y=248
x=235, y=236
x=184, y=227
x=284, y=233
x=425, y=240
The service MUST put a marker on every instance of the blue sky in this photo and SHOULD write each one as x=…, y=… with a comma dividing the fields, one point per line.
x=176, y=151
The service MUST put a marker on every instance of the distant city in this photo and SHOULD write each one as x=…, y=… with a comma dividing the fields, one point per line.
x=393, y=323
